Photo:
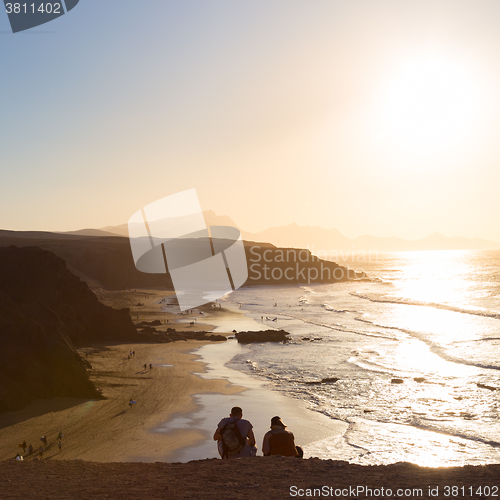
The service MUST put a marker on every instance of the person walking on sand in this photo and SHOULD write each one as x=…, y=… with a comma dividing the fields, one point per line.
x=59, y=436
x=279, y=441
x=30, y=450
x=41, y=450
x=145, y=366
x=234, y=436
x=24, y=445
x=59, y=445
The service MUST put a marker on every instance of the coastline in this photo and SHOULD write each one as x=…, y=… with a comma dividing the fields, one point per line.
x=319, y=435
x=179, y=401
x=110, y=430
x=105, y=440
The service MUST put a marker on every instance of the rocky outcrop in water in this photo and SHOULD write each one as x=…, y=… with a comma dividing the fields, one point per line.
x=264, y=336
x=328, y=380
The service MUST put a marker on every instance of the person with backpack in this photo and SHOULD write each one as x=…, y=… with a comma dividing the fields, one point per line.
x=279, y=441
x=234, y=436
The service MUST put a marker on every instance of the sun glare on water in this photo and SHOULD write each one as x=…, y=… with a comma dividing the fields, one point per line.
x=429, y=104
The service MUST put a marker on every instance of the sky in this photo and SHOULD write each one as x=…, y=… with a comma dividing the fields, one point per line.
x=370, y=116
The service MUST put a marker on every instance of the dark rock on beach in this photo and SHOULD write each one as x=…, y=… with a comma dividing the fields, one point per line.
x=397, y=381
x=263, y=336
x=328, y=380
x=155, y=322
x=489, y=387
x=419, y=379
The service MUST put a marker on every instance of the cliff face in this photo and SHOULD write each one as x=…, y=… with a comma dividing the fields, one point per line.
x=45, y=312
x=108, y=261
x=105, y=260
x=270, y=265
x=36, y=361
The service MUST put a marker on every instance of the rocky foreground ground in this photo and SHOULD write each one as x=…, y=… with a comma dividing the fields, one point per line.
x=249, y=478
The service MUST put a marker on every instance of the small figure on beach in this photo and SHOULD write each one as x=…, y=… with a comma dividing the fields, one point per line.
x=234, y=436
x=279, y=441
x=30, y=450
x=43, y=439
x=133, y=353
x=59, y=436
x=24, y=445
x=132, y=402
x=150, y=366
x=145, y=366
x=41, y=450
x=59, y=445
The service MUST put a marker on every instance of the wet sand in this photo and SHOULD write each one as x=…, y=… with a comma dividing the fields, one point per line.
x=110, y=430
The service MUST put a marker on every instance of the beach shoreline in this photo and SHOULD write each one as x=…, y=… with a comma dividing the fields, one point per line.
x=111, y=430
x=178, y=402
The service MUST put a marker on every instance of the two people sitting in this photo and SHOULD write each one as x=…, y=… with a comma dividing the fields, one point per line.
x=235, y=438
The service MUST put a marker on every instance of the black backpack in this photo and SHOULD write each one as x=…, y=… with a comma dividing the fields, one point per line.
x=232, y=440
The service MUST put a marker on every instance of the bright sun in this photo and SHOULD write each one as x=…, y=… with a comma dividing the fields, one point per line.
x=430, y=104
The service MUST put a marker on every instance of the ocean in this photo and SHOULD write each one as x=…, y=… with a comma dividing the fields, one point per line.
x=415, y=348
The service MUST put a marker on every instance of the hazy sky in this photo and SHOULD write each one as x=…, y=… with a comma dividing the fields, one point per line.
x=372, y=116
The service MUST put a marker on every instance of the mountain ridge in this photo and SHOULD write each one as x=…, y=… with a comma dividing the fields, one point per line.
x=317, y=238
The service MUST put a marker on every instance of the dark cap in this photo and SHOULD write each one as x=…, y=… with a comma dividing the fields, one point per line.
x=277, y=421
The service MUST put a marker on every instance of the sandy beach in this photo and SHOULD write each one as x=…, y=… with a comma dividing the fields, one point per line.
x=110, y=430
x=178, y=403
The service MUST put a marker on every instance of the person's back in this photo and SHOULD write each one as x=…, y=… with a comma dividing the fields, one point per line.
x=235, y=436
x=279, y=441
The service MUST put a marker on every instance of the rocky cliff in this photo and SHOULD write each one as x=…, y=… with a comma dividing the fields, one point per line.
x=45, y=312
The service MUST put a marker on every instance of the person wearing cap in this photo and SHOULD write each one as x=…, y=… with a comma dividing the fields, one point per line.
x=279, y=441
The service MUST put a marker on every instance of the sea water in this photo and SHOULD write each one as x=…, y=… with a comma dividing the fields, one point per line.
x=419, y=315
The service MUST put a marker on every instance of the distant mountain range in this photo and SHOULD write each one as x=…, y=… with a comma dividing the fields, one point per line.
x=328, y=240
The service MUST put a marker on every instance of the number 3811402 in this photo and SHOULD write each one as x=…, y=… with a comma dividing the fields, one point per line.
x=26, y=8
